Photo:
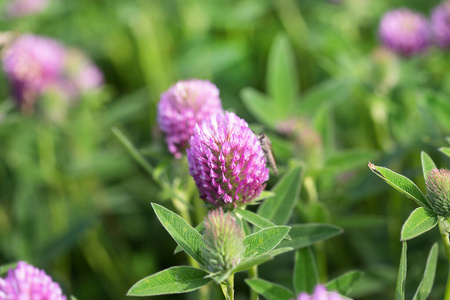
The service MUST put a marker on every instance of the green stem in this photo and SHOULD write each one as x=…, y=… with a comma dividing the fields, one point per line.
x=228, y=288
x=444, y=230
x=311, y=189
x=253, y=273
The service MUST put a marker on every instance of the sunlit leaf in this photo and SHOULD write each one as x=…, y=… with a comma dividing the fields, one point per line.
x=184, y=234
x=344, y=283
x=306, y=275
x=427, y=164
x=420, y=221
x=401, y=277
x=174, y=280
x=269, y=290
x=304, y=235
x=426, y=284
x=278, y=209
x=401, y=184
x=264, y=240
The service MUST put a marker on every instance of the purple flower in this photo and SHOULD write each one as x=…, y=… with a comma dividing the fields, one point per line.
x=20, y=8
x=29, y=283
x=320, y=293
x=32, y=64
x=182, y=106
x=440, y=24
x=79, y=70
x=226, y=161
x=224, y=241
x=438, y=191
x=404, y=32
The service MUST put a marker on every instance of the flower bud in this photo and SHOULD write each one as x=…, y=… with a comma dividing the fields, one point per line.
x=28, y=282
x=224, y=241
x=226, y=160
x=184, y=105
x=438, y=191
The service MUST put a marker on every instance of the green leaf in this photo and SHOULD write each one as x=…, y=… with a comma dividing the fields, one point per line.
x=344, y=283
x=327, y=92
x=199, y=228
x=282, y=79
x=306, y=276
x=256, y=220
x=174, y=280
x=304, y=235
x=420, y=221
x=269, y=290
x=401, y=184
x=261, y=107
x=401, y=277
x=5, y=268
x=445, y=150
x=278, y=209
x=133, y=151
x=427, y=164
x=72, y=297
x=260, y=259
x=264, y=240
x=424, y=289
x=184, y=234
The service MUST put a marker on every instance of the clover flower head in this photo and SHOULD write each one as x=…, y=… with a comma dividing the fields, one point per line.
x=440, y=24
x=32, y=64
x=438, y=191
x=184, y=105
x=21, y=8
x=404, y=31
x=226, y=160
x=224, y=241
x=27, y=282
x=320, y=293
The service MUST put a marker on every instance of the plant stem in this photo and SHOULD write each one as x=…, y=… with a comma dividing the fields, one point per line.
x=253, y=273
x=228, y=288
x=444, y=230
x=310, y=187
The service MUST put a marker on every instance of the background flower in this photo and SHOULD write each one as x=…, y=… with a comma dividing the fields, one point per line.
x=182, y=106
x=404, y=31
x=440, y=24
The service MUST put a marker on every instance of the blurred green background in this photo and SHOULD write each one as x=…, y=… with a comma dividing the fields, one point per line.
x=72, y=200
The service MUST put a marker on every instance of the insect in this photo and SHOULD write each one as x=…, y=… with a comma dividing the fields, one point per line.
x=266, y=146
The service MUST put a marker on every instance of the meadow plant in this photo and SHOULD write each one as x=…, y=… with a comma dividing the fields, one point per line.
x=182, y=106
x=434, y=210
x=29, y=283
x=405, y=32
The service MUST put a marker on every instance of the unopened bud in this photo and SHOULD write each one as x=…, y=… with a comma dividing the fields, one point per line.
x=438, y=191
x=223, y=237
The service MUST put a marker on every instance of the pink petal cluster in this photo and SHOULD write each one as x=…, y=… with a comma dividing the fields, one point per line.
x=35, y=64
x=440, y=24
x=20, y=8
x=405, y=32
x=184, y=105
x=226, y=160
x=32, y=64
x=26, y=282
x=320, y=293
